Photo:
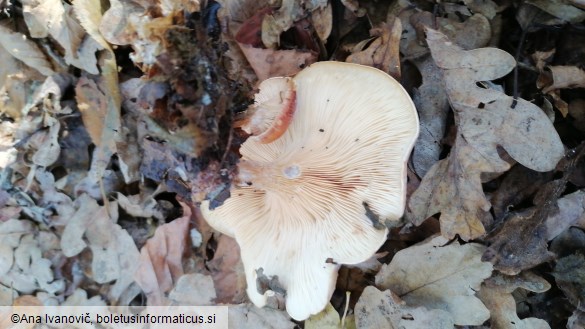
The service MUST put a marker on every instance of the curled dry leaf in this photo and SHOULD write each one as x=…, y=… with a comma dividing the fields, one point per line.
x=383, y=52
x=496, y=294
x=438, y=275
x=384, y=309
x=486, y=119
x=560, y=77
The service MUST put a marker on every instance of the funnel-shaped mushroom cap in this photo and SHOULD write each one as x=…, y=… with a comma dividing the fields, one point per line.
x=301, y=208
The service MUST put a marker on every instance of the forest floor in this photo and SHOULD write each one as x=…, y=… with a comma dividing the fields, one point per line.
x=117, y=119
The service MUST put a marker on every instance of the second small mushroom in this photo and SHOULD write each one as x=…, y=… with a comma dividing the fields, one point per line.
x=322, y=192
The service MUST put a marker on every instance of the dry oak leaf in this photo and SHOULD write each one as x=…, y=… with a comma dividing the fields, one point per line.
x=486, y=119
x=384, y=309
x=496, y=294
x=437, y=275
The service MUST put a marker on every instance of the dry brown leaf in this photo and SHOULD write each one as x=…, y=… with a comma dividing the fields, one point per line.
x=384, y=309
x=268, y=63
x=89, y=14
x=383, y=52
x=92, y=104
x=438, y=275
x=13, y=78
x=519, y=185
x=486, y=119
x=23, y=49
x=561, y=77
x=322, y=20
x=227, y=271
x=101, y=120
x=496, y=294
x=160, y=264
x=283, y=19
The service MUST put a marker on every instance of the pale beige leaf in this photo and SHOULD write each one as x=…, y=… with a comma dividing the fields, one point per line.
x=89, y=14
x=23, y=49
x=437, y=275
x=322, y=19
x=248, y=316
x=6, y=258
x=79, y=298
x=384, y=309
x=72, y=242
x=12, y=230
x=58, y=20
x=193, y=289
x=571, y=212
x=496, y=294
x=49, y=149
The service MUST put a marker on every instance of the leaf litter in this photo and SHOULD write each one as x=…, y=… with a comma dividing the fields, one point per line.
x=117, y=121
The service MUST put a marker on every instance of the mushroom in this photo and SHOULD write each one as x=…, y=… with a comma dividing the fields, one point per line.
x=324, y=193
x=272, y=111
